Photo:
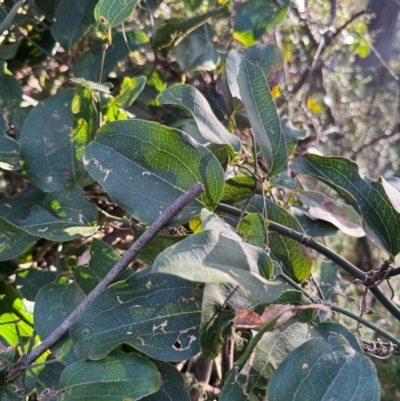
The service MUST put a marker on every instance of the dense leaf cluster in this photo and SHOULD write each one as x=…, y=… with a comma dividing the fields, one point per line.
x=89, y=163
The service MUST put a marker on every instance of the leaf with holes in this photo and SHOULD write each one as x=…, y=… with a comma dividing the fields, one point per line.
x=211, y=257
x=157, y=314
x=247, y=83
x=381, y=221
x=130, y=157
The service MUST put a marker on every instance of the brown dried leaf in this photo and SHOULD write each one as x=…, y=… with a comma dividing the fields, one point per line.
x=250, y=320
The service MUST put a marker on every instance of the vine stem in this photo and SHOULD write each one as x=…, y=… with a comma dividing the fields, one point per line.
x=114, y=273
x=344, y=312
x=323, y=250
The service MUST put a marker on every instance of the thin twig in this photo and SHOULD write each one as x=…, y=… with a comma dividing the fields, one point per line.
x=115, y=272
x=323, y=250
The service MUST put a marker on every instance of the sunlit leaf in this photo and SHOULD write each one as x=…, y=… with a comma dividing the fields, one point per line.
x=129, y=157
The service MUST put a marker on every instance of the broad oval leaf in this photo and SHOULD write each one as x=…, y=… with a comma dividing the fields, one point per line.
x=63, y=216
x=117, y=377
x=173, y=385
x=381, y=221
x=53, y=304
x=322, y=371
x=73, y=20
x=211, y=257
x=210, y=127
x=111, y=13
x=157, y=314
x=253, y=229
x=248, y=83
x=129, y=157
x=52, y=141
x=31, y=280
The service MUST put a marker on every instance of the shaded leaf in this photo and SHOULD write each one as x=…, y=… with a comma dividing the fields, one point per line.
x=9, y=153
x=282, y=180
x=52, y=141
x=215, y=321
x=170, y=33
x=30, y=281
x=248, y=84
x=129, y=157
x=220, y=259
x=48, y=7
x=292, y=135
x=64, y=215
x=73, y=21
x=102, y=260
x=320, y=370
x=117, y=376
x=344, y=217
x=14, y=240
x=192, y=5
x=210, y=127
x=129, y=91
x=88, y=66
x=296, y=258
x=254, y=17
x=111, y=13
x=7, y=354
x=238, y=188
x=194, y=52
x=314, y=228
x=157, y=314
x=380, y=219
x=49, y=376
x=54, y=303
x=172, y=387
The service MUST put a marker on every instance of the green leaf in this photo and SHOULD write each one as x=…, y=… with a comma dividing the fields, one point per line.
x=48, y=382
x=53, y=304
x=192, y=5
x=88, y=66
x=314, y=228
x=73, y=21
x=117, y=377
x=105, y=88
x=344, y=217
x=194, y=52
x=10, y=92
x=129, y=91
x=380, y=219
x=253, y=229
x=255, y=17
x=173, y=384
x=111, y=13
x=219, y=259
x=282, y=180
x=215, y=321
x=170, y=33
x=320, y=370
x=52, y=141
x=64, y=216
x=210, y=127
x=129, y=157
x=238, y=188
x=10, y=16
x=30, y=281
x=157, y=314
x=7, y=354
x=102, y=260
x=292, y=135
x=157, y=244
x=14, y=240
x=248, y=84
x=12, y=315
x=296, y=259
